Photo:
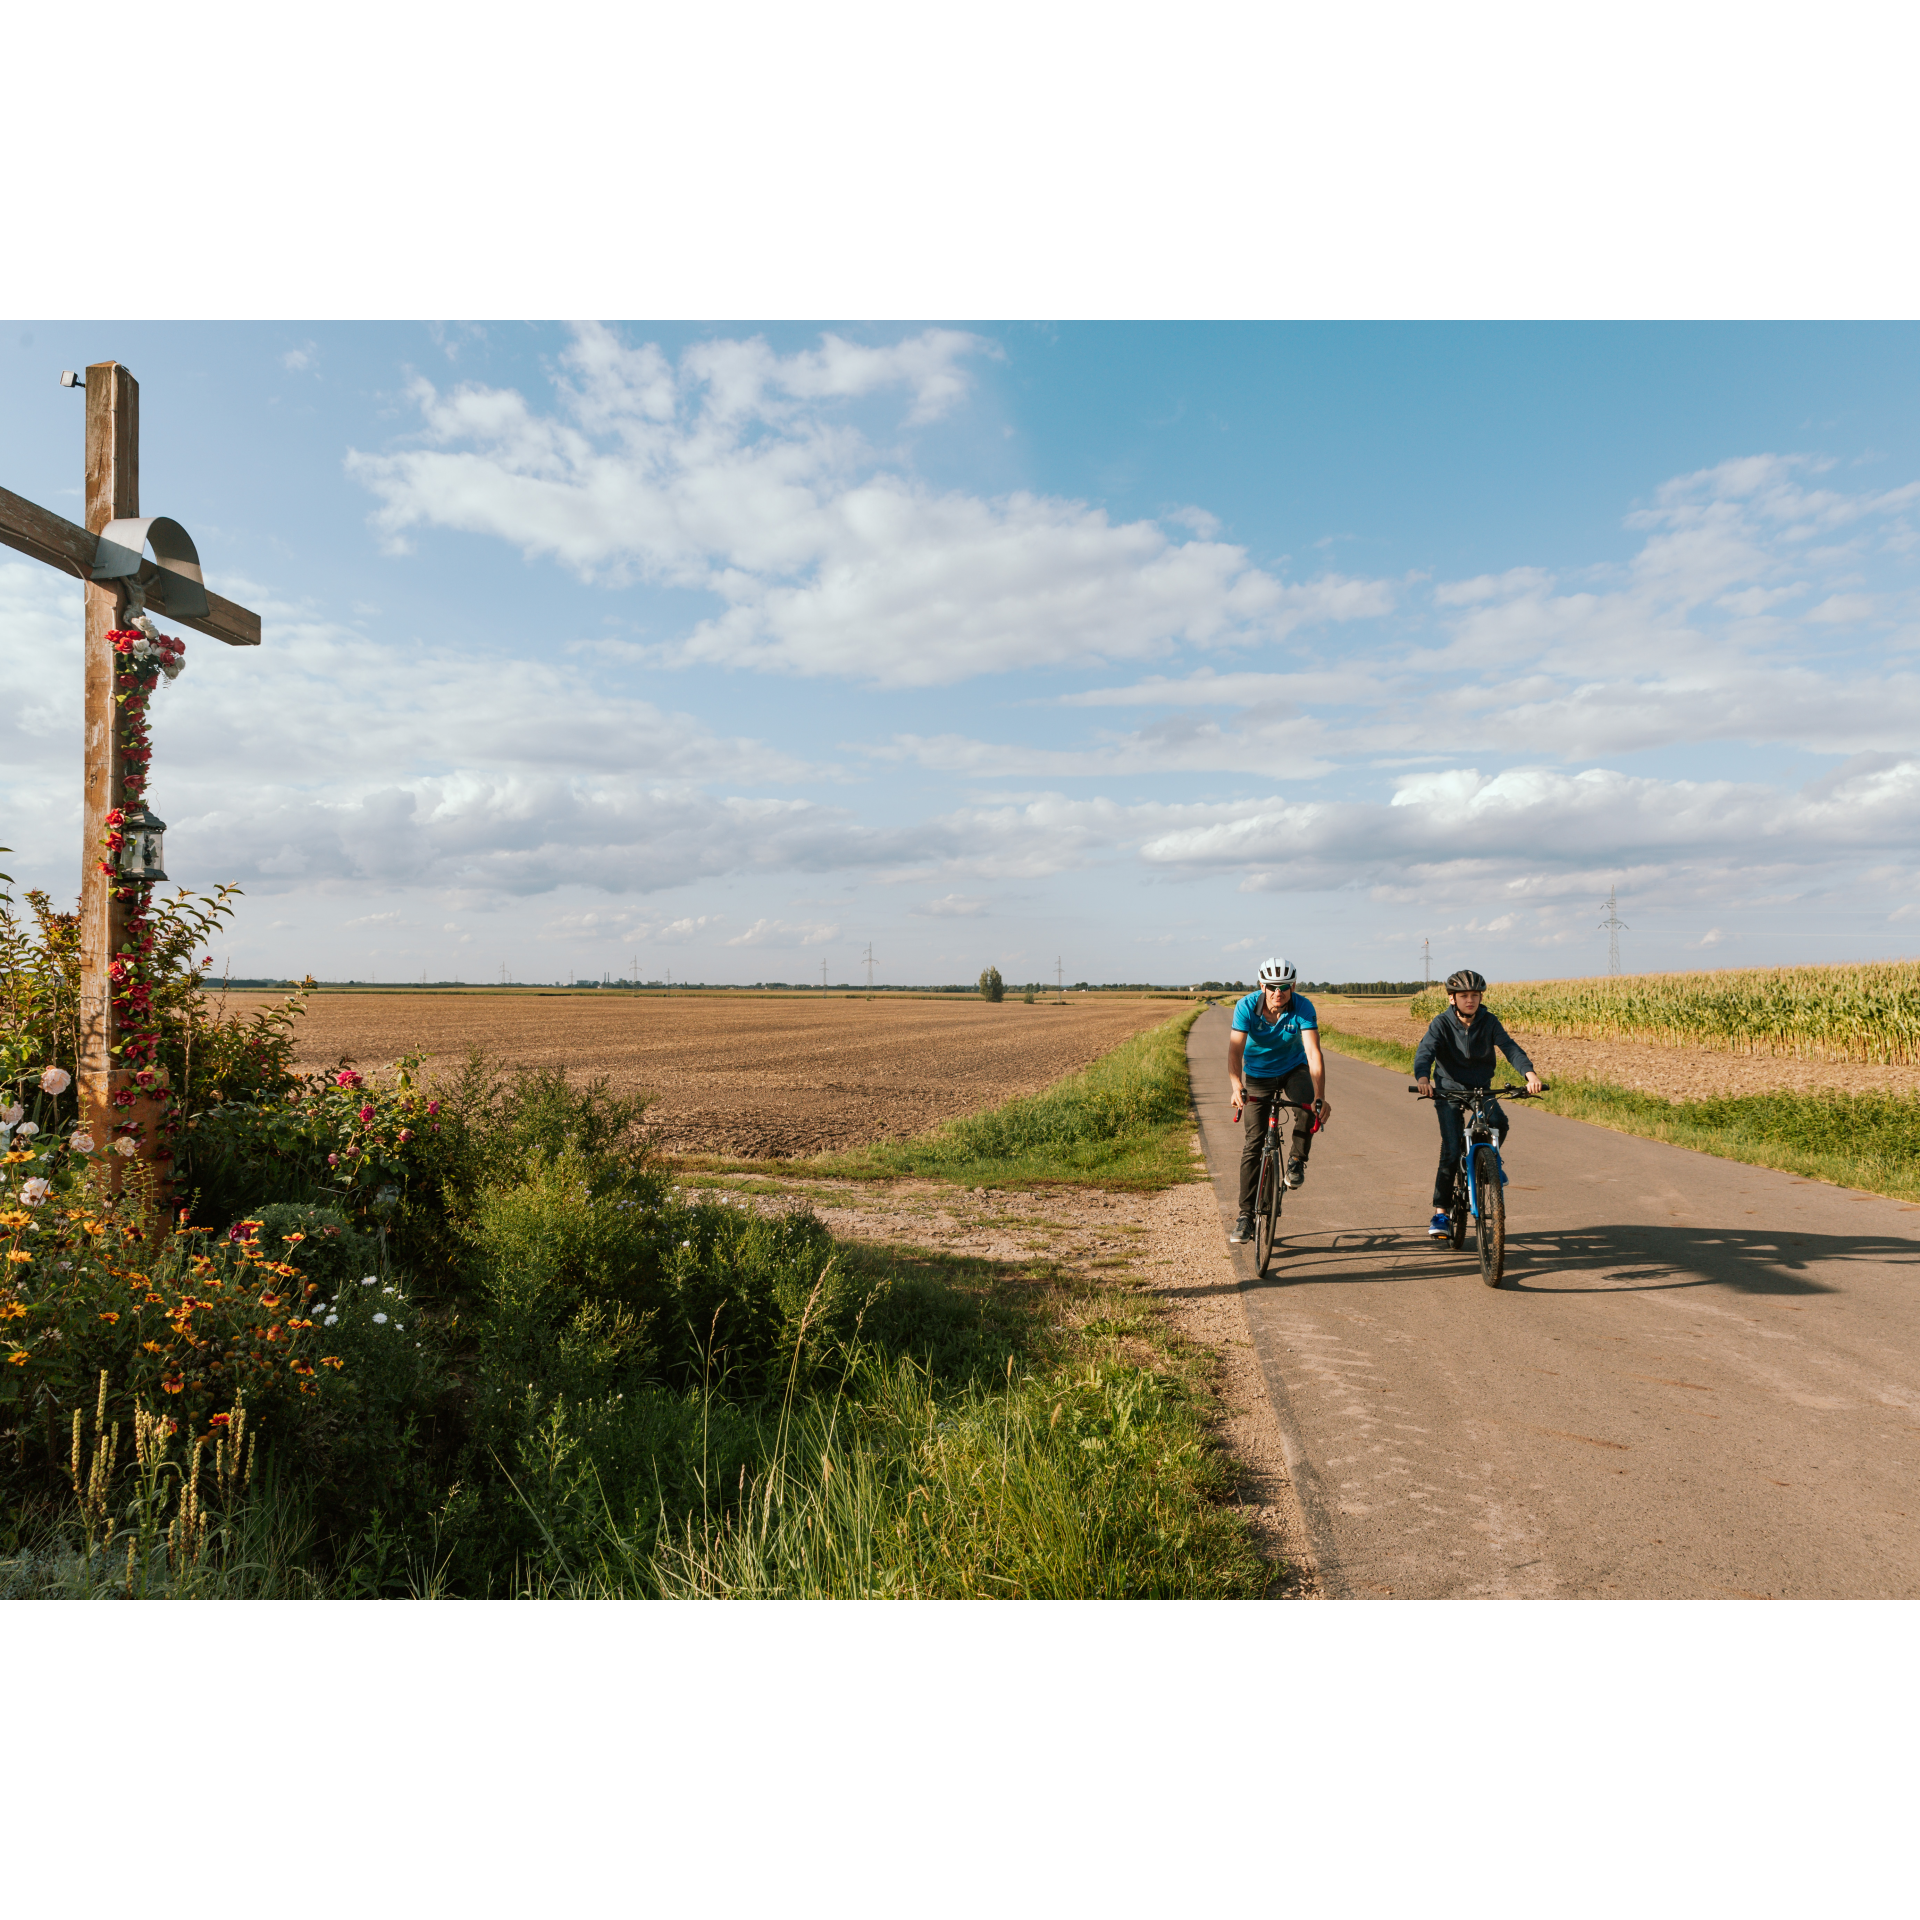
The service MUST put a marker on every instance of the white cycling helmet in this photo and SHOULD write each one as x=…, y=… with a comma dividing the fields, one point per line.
x=1277, y=973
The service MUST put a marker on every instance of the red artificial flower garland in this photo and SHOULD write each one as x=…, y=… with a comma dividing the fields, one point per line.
x=143, y=655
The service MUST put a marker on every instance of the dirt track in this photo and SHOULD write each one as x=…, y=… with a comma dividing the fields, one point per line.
x=748, y=1074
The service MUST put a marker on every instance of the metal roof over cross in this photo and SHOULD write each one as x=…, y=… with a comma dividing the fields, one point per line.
x=109, y=555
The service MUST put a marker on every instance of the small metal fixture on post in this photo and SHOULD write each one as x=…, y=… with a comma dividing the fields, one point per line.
x=142, y=833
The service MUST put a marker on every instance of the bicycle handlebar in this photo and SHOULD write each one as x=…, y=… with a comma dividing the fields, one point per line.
x=1492, y=1093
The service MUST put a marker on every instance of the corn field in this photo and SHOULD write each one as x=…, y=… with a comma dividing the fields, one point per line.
x=1865, y=1013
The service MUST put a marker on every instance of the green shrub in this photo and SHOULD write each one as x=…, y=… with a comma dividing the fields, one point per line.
x=992, y=987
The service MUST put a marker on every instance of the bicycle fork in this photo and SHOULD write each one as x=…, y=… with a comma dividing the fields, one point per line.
x=1472, y=1155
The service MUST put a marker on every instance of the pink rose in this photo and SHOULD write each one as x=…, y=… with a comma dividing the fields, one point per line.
x=55, y=1080
x=346, y=1077
x=366, y=1114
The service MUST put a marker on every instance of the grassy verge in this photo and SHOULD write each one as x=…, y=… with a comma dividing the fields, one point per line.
x=1077, y=1466
x=990, y=1430
x=1122, y=1122
x=1865, y=1140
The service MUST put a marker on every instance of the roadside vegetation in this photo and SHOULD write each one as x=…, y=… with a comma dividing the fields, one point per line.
x=469, y=1338
x=1125, y=1121
x=1869, y=1013
x=1865, y=1140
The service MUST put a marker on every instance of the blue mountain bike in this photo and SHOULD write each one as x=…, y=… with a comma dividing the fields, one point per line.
x=1479, y=1193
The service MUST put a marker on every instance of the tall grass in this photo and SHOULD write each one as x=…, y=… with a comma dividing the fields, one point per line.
x=1091, y=1481
x=1123, y=1120
x=1866, y=1013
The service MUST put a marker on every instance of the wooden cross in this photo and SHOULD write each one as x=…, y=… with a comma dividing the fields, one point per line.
x=109, y=573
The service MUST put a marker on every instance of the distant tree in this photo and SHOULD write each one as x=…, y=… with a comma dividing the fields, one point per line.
x=992, y=987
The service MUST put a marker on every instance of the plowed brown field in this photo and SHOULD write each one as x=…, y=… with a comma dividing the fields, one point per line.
x=745, y=1074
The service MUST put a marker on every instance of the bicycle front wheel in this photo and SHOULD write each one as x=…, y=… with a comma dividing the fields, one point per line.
x=1490, y=1214
x=1266, y=1212
x=1457, y=1213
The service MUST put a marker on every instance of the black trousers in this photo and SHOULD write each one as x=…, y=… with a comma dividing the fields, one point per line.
x=1296, y=1129
x=1453, y=1143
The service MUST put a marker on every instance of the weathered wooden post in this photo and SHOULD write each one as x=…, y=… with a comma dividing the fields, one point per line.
x=112, y=493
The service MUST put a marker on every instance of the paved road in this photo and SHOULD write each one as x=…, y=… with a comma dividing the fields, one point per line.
x=1700, y=1380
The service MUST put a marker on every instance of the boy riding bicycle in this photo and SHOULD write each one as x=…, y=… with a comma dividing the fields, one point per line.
x=1274, y=1054
x=1457, y=1049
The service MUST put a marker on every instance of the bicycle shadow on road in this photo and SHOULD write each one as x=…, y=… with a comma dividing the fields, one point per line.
x=1641, y=1258
x=1627, y=1258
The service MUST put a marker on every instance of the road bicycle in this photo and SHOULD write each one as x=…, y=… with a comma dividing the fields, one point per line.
x=1479, y=1192
x=1268, y=1195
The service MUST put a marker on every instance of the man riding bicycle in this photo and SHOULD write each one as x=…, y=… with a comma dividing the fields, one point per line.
x=1274, y=1054
x=1457, y=1049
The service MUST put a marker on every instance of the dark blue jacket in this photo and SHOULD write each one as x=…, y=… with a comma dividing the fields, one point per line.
x=1449, y=1052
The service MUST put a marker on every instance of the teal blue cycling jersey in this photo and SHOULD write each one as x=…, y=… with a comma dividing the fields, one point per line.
x=1274, y=1047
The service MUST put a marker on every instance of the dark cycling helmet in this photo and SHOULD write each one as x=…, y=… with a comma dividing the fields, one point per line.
x=1277, y=973
x=1466, y=981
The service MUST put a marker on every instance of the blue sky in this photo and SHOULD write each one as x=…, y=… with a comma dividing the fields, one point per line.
x=1148, y=647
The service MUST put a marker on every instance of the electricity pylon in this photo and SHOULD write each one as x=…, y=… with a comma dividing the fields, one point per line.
x=1615, y=927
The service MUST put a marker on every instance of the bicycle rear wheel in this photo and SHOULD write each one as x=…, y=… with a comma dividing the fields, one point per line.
x=1266, y=1211
x=1490, y=1226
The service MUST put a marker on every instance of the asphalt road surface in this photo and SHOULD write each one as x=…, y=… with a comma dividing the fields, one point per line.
x=1700, y=1380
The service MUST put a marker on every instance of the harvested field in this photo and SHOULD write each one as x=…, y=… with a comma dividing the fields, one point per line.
x=1647, y=1066
x=749, y=1074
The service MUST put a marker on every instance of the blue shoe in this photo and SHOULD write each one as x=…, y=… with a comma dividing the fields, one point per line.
x=1438, y=1228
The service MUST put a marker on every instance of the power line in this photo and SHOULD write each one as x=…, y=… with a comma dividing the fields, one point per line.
x=1615, y=927
x=869, y=966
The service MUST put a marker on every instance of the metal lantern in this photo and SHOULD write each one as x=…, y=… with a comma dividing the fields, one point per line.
x=141, y=833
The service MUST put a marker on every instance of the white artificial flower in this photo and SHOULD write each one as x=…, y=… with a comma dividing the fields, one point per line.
x=81, y=1143
x=35, y=1191
x=372, y=1280
x=125, y=1147
x=379, y=1319
x=27, y=1129
x=398, y=1328
x=12, y=1116
x=332, y=1320
x=55, y=1080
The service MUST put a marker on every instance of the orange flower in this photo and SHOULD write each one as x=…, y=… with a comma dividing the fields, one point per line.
x=172, y=1383
x=20, y=1360
x=112, y=1319
x=273, y=1333
x=219, y=1419
x=302, y=1369
x=293, y=1238
x=18, y=1258
x=153, y=1300
x=269, y=1301
x=151, y=1346
x=326, y=1360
